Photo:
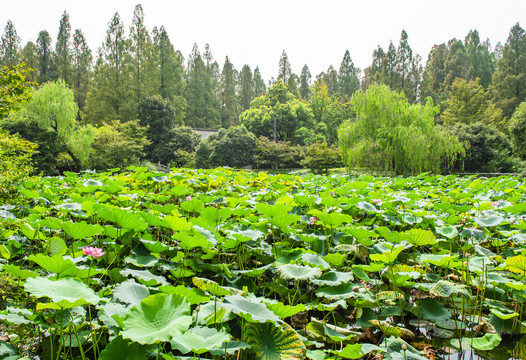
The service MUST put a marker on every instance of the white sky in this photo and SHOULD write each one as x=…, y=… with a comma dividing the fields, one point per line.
x=315, y=33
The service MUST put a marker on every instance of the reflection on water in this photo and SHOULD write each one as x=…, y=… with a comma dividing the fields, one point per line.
x=513, y=348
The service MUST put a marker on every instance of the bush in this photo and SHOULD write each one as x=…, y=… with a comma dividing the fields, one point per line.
x=487, y=150
x=517, y=130
x=233, y=147
x=319, y=158
x=280, y=155
x=176, y=147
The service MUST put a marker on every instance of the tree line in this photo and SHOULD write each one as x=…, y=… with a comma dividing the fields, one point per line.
x=139, y=93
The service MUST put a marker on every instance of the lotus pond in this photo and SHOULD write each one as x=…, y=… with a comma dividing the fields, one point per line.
x=222, y=264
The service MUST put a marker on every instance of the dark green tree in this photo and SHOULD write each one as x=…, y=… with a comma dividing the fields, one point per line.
x=259, y=84
x=517, y=130
x=227, y=94
x=45, y=56
x=178, y=147
x=10, y=46
x=456, y=63
x=81, y=70
x=246, y=87
x=330, y=79
x=374, y=73
x=348, y=77
x=480, y=61
x=434, y=75
x=170, y=74
x=509, y=80
x=63, y=49
x=284, y=69
x=30, y=58
x=140, y=52
x=305, y=83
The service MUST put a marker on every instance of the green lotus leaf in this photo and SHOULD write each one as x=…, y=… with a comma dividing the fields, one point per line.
x=193, y=296
x=342, y=291
x=446, y=288
x=391, y=236
x=194, y=205
x=315, y=260
x=284, y=311
x=123, y=218
x=153, y=219
x=199, y=340
x=362, y=205
x=63, y=289
x=211, y=286
x=333, y=220
x=516, y=264
x=445, y=260
x=490, y=221
x=284, y=221
x=81, y=230
x=388, y=256
x=181, y=190
x=230, y=347
x=419, y=237
x=270, y=342
x=516, y=208
x=335, y=259
x=249, y=310
x=157, y=318
x=177, y=223
x=357, y=351
x=56, y=246
x=130, y=292
x=487, y=342
x=433, y=310
x=298, y=272
x=119, y=348
x=504, y=316
x=156, y=247
x=17, y=272
x=448, y=231
x=273, y=211
x=55, y=264
x=212, y=216
x=333, y=278
x=145, y=277
x=392, y=330
x=361, y=234
x=189, y=241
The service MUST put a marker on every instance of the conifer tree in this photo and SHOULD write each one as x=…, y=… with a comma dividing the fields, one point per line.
x=284, y=69
x=140, y=52
x=259, y=84
x=305, y=83
x=227, y=94
x=63, y=49
x=81, y=71
x=45, y=56
x=10, y=45
x=509, y=80
x=348, y=81
x=30, y=58
x=456, y=64
x=170, y=78
x=246, y=88
x=480, y=61
x=434, y=74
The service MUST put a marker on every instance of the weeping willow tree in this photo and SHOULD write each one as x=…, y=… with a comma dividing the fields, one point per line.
x=393, y=136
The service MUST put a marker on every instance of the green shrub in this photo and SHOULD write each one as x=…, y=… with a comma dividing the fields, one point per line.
x=319, y=158
x=517, y=130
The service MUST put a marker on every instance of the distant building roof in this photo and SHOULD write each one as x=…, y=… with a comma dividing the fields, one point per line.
x=204, y=133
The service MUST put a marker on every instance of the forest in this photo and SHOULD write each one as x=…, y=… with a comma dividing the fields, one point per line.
x=136, y=100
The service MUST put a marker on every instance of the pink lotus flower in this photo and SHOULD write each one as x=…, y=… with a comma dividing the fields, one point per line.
x=495, y=204
x=188, y=198
x=332, y=193
x=313, y=219
x=377, y=201
x=93, y=251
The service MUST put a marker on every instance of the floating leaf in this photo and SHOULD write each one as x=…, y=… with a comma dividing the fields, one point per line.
x=298, y=272
x=130, y=292
x=68, y=289
x=199, y=340
x=249, y=310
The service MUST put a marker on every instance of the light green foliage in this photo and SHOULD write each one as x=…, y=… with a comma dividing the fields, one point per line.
x=14, y=90
x=517, y=130
x=233, y=147
x=468, y=103
x=481, y=63
x=319, y=158
x=117, y=145
x=9, y=46
x=291, y=114
x=246, y=87
x=81, y=72
x=62, y=57
x=169, y=66
x=390, y=134
x=15, y=163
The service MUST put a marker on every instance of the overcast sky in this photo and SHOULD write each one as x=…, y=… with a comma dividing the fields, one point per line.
x=315, y=33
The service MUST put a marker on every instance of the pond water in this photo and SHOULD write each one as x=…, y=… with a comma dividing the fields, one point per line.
x=509, y=349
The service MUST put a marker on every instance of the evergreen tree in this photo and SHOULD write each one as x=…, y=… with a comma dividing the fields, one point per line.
x=81, y=71
x=170, y=77
x=434, y=75
x=140, y=55
x=63, y=49
x=389, y=75
x=408, y=69
x=111, y=98
x=45, y=56
x=246, y=88
x=348, y=81
x=292, y=85
x=284, y=70
x=374, y=73
x=509, y=80
x=228, y=96
x=30, y=58
x=305, y=83
x=456, y=64
x=10, y=46
x=480, y=61
x=331, y=80
x=259, y=83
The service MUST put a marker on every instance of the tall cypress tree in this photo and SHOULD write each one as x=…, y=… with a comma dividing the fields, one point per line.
x=45, y=56
x=434, y=75
x=141, y=56
x=30, y=58
x=259, y=84
x=170, y=77
x=348, y=81
x=246, y=87
x=81, y=72
x=284, y=69
x=375, y=72
x=228, y=96
x=10, y=45
x=480, y=60
x=305, y=83
x=509, y=80
x=456, y=64
x=63, y=49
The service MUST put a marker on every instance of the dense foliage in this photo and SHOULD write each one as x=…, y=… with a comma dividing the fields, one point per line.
x=234, y=265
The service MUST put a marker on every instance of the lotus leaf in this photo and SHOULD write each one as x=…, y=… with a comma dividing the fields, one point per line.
x=270, y=342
